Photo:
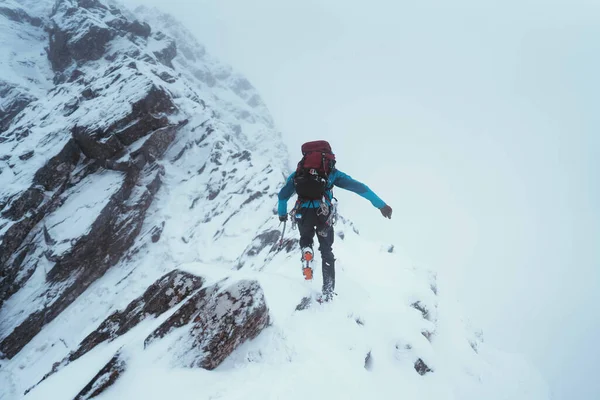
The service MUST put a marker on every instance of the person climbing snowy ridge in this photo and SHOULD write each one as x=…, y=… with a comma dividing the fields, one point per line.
x=314, y=211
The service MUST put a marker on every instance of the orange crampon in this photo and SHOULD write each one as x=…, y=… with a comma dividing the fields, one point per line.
x=308, y=273
x=308, y=256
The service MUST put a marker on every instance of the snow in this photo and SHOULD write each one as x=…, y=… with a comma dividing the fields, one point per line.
x=320, y=352
x=218, y=194
x=81, y=208
x=23, y=60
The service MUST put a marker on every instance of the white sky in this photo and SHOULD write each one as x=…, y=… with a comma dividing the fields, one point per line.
x=476, y=121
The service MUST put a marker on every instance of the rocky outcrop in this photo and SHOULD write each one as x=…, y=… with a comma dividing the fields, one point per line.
x=214, y=322
x=111, y=235
x=147, y=115
x=27, y=209
x=160, y=297
x=421, y=367
x=16, y=101
x=105, y=378
x=19, y=15
x=82, y=156
x=114, y=121
x=168, y=52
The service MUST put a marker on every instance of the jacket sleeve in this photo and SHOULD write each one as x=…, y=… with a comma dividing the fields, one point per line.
x=346, y=182
x=285, y=193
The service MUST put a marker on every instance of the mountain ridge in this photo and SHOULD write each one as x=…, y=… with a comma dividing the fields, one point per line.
x=138, y=235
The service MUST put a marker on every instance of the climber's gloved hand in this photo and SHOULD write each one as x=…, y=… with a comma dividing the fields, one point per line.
x=386, y=211
x=283, y=218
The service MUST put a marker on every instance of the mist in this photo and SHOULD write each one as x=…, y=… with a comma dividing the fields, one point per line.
x=476, y=121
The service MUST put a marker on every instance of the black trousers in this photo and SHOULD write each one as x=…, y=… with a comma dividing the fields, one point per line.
x=310, y=223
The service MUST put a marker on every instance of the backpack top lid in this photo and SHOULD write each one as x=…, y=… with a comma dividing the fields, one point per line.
x=320, y=146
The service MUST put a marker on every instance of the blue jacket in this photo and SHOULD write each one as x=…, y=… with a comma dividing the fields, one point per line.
x=336, y=178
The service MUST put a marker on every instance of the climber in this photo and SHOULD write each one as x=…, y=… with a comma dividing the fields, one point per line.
x=314, y=211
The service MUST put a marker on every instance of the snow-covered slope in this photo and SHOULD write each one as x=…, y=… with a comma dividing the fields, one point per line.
x=139, y=249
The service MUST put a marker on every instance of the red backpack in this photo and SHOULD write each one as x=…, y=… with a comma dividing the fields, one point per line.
x=313, y=170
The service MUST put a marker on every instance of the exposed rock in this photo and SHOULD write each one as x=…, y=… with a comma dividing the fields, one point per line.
x=421, y=367
x=369, y=362
x=76, y=35
x=157, y=232
x=19, y=15
x=28, y=209
x=206, y=77
x=168, y=52
x=157, y=143
x=26, y=202
x=161, y=296
x=214, y=322
x=427, y=334
x=110, y=236
x=139, y=28
x=94, y=146
x=14, y=101
x=106, y=111
x=104, y=379
x=268, y=238
x=58, y=169
x=147, y=115
x=253, y=197
x=304, y=303
x=422, y=308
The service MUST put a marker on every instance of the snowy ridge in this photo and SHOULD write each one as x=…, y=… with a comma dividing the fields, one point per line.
x=139, y=248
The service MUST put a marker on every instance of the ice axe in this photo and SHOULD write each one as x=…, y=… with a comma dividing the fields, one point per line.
x=282, y=233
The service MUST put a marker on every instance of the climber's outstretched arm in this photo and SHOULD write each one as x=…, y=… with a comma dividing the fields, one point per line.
x=347, y=182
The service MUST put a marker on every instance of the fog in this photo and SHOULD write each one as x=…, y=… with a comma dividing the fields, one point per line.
x=477, y=121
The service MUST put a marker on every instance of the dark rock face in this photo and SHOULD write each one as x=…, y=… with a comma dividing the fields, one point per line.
x=19, y=15
x=265, y=239
x=75, y=34
x=167, y=53
x=58, y=169
x=15, y=103
x=93, y=155
x=79, y=32
x=27, y=210
x=422, y=308
x=161, y=296
x=214, y=322
x=157, y=232
x=104, y=379
x=139, y=28
x=421, y=367
x=305, y=303
x=111, y=235
x=369, y=361
x=147, y=115
x=29, y=207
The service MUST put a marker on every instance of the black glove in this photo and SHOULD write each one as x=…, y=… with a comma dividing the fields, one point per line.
x=283, y=218
x=386, y=211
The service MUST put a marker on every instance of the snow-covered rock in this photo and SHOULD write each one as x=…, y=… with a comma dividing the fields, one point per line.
x=138, y=182
x=213, y=323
